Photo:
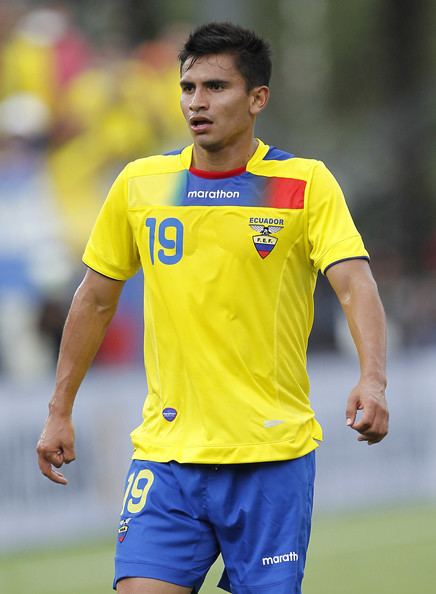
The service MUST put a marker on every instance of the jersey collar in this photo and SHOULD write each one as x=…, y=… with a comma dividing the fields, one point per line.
x=258, y=155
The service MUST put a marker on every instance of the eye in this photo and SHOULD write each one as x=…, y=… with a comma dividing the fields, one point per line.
x=216, y=85
x=187, y=87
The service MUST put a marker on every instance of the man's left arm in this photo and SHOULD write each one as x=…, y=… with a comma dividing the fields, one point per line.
x=357, y=292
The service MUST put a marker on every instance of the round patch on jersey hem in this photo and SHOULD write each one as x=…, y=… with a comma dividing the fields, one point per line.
x=169, y=414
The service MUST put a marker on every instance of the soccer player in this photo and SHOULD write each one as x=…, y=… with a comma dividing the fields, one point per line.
x=231, y=234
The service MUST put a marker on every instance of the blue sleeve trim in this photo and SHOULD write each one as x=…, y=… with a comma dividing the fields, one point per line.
x=345, y=260
x=175, y=152
x=275, y=154
x=118, y=280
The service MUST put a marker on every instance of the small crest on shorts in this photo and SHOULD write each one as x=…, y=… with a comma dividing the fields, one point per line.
x=169, y=414
x=122, y=530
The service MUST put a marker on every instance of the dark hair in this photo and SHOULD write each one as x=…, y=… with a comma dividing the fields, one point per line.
x=251, y=53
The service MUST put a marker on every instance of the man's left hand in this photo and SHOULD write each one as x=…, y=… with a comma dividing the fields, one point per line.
x=369, y=398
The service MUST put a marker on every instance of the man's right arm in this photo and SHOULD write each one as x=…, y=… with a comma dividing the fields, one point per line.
x=92, y=308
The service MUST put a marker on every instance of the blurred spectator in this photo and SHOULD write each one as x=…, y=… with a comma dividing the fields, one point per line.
x=42, y=55
x=70, y=116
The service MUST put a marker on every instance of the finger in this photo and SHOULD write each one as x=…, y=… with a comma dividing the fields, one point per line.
x=367, y=422
x=372, y=436
x=48, y=471
x=57, y=477
x=351, y=410
x=373, y=425
x=377, y=439
x=363, y=426
x=68, y=454
x=370, y=441
x=368, y=433
x=376, y=436
x=55, y=458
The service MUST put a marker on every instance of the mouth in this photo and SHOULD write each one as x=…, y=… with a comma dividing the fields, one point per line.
x=200, y=124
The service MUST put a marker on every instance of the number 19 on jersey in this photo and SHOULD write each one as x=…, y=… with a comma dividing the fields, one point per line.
x=168, y=234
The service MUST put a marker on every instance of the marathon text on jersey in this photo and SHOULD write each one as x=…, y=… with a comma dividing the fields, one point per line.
x=212, y=194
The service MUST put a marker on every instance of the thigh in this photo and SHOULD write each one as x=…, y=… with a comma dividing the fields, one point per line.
x=163, y=534
x=263, y=525
x=149, y=586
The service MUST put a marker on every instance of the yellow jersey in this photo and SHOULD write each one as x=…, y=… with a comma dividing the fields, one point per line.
x=230, y=262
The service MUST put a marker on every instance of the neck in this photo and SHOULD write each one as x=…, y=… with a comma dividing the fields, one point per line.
x=226, y=158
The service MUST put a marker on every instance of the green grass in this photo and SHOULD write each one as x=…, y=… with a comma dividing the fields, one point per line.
x=377, y=552
x=389, y=552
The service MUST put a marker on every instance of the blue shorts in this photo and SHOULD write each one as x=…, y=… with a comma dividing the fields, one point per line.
x=177, y=518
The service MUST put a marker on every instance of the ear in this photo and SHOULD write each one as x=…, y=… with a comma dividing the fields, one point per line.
x=258, y=99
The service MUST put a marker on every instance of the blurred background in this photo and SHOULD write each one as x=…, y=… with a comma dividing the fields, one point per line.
x=86, y=87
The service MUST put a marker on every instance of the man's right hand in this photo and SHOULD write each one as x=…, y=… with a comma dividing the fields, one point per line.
x=56, y=447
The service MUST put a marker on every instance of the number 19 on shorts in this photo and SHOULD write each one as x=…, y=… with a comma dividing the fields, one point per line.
x=138, y=486
x=168, y=235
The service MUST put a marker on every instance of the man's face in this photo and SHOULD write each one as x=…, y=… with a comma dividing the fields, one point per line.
x=215, y=102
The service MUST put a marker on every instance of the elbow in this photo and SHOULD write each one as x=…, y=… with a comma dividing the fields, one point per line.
x=345, y=297
x=105, y=310
x=93, y=303
x=357, y=288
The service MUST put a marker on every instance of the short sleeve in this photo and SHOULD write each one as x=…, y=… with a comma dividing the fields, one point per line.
x=332, y=234
x=111, y=248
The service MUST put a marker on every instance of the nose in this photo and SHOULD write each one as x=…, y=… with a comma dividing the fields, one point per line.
x=198, y=100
